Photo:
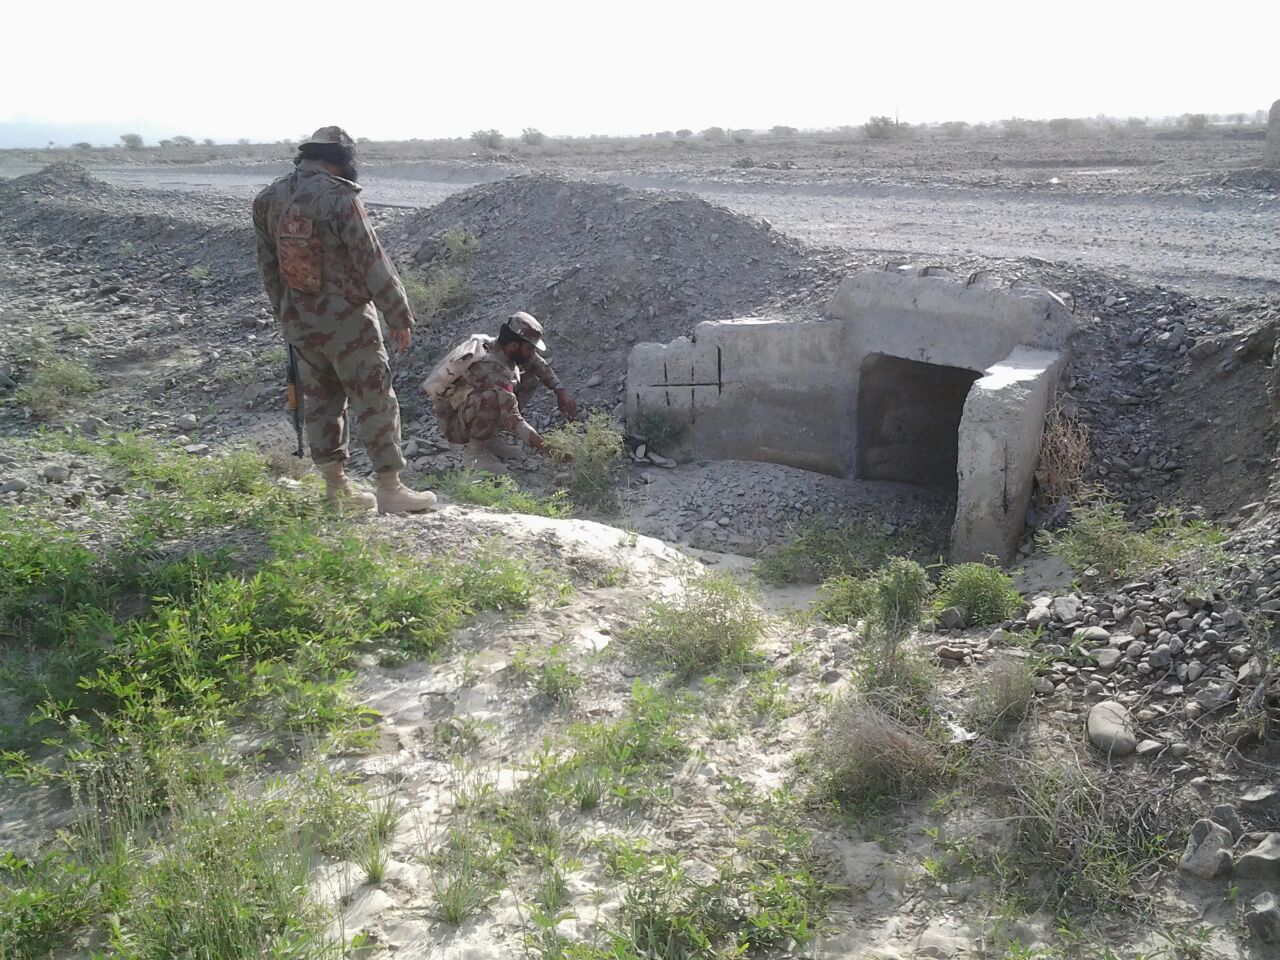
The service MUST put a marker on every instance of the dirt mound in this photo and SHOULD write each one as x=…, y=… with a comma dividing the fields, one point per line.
x=56, y=180
x=606, y=266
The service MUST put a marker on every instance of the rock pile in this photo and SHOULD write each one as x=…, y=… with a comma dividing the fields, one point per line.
x=1147, y=639
x=605, y=267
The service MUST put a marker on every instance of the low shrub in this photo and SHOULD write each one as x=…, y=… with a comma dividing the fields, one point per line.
x=1100, y=538
x=985, y=593
x=491, y=139
x=42, y=901
x=661, y=432
x=714, y=620
x=846, y=599
x=891, y=600
x=460, y=244
x=444, y=289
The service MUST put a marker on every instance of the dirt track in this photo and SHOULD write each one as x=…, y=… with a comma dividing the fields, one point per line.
x=1208, y=243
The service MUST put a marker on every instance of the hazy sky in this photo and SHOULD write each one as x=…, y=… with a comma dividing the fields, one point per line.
x=269, y=70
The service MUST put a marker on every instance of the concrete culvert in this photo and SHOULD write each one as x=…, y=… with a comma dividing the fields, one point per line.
x=918, y=380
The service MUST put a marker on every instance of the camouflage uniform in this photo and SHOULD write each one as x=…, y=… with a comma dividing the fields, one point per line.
x=324, y=271
x=489, y=394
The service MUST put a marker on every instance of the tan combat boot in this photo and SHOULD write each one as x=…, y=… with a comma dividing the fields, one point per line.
x=342, y=495
x=395, y=497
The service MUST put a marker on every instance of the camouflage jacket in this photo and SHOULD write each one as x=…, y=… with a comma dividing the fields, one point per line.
x=483, y=366
x=492, y=369
x=320, y=259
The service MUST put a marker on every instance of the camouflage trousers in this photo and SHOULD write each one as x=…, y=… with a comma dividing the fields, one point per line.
x=482, y=413
x=478, y=417
x=355, y=373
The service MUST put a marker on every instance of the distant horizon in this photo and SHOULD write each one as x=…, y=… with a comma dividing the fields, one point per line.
x=571, y=68
x=91, y=132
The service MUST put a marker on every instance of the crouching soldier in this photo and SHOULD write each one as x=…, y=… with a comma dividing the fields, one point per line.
x=324, y=272
x=480, y=387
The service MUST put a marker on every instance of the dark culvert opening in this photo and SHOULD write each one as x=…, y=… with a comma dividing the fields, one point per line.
x=909, y=420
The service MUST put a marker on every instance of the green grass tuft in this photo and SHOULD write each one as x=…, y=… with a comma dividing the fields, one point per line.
x=833, y=548
x=596, y=468
x=1100, y=538
x=55, y=385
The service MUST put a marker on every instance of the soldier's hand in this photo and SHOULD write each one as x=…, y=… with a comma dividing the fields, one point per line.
x=400, y=339
x=568, y=406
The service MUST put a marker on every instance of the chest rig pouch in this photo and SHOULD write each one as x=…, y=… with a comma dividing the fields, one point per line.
x=301, y=253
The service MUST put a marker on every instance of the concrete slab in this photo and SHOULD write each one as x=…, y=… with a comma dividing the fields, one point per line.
x=1272, y=158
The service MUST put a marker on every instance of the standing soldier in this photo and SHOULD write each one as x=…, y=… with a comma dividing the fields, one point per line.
x=324, y=271
x=479, y=387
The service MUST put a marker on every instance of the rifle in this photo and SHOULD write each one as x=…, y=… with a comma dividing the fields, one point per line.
x=295, y=399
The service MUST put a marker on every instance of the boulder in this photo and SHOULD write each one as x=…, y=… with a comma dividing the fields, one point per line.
x=1263, y=918
x=1215, y=695
x=1225, y=814
x=1259, y=798
x=1040, y=614
x=1262, y=862
x=1208, y=852
x=1107, y=658
x=1110, y=728
x=1066, y=609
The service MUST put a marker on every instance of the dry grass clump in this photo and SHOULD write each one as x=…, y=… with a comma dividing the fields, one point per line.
x=867, y=758
x=1003, y=696
x=1086, y=844
x=1064, y=456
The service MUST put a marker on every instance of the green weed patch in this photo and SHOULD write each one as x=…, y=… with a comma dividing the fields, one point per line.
x=499, y=493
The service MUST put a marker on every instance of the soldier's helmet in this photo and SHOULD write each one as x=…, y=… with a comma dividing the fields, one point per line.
x=524, y=326
x=334, y=135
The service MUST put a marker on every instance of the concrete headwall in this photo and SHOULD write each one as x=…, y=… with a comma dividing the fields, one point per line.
x=792, y=392
x=765, y=390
